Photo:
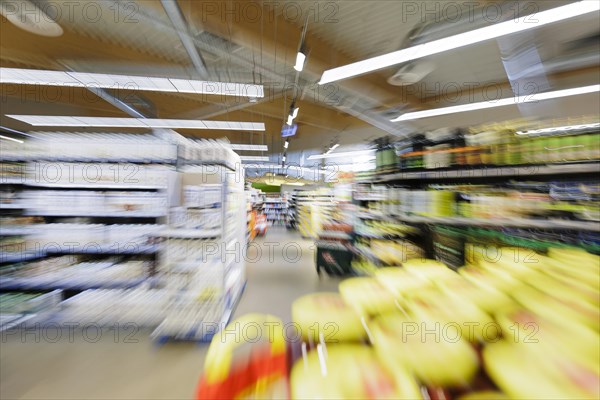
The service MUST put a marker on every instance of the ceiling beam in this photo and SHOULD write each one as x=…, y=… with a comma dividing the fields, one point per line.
x=179, y=23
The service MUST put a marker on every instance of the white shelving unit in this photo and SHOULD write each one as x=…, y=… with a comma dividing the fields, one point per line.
x=313, y=207
x=187, y=295
x=202, y=270
x=275, y=209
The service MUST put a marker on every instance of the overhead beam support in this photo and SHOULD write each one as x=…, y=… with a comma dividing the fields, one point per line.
x=181, y=27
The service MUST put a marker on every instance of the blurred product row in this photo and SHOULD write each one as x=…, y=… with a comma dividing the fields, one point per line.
x=574, y=199
x=499, y=145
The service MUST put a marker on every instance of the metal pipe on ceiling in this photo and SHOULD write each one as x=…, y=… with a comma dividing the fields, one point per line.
x=165, y=134
x=181, y=27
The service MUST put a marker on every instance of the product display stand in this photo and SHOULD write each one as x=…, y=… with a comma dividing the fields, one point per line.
x=111, y=206
x=276, y=210
x=334, y=244
x=551, y=205
x=202, y=267
x=192, y=290
x=313, y=207
x=291, y=222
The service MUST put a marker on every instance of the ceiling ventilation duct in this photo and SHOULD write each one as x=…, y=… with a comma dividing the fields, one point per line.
x=29, y=17
x=411, y=73
x=434, y=28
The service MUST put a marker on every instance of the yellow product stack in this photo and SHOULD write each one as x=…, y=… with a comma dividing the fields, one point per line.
x=524, y=320
x=305, y=217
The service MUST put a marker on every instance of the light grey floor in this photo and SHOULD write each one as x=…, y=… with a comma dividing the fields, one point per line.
x=121, y=367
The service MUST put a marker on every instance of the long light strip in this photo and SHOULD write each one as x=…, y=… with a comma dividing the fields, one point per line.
x=461, y=40
x=344, y=154
x=530, y=98
x=111, y=122
x=300, y=58
x=250, y=147
x=559, y=129
x=254, y=158
x=287, y=167
x=127, y=82
x=11, y=139
x=332, y=148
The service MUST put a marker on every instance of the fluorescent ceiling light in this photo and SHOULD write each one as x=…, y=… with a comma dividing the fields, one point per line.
x=559, y=129
x=332, y=148
x=345, y=154
x=286, y=144
x=287, y=167
x=127, y=82
x=110, y=122
x=356, y=160
x=254, y=158
x=9, y=138
x=262, y=166
x=463, y=39
x=300, y=58
x=530, y=98
x=295, y=112
x=249, y=147
x=356, y=167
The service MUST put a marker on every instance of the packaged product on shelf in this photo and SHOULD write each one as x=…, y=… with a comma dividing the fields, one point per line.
x=449, y=246
x=11, y=171
x=433, y=158
x=394, y=252
x=436, y=360
x=10, y=197
x=247, y=369
x=367, y=296
x=202, y=196
x=400, y=282
x=203, y=219
x=541, y=371
x=320, y=375
x=326, y=317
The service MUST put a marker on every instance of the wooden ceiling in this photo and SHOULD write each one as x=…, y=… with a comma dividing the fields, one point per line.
x=272, y=41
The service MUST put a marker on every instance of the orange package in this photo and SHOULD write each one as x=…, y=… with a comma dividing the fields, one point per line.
x=246, y=360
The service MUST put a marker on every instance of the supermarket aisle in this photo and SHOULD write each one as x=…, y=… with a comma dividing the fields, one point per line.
x=52, y=365
x=280, y=268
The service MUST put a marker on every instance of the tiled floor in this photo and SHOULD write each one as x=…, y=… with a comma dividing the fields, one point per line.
x=280, y=269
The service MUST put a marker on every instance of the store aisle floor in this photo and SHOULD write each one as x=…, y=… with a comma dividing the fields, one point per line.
x=281, y=268
x=47, y=364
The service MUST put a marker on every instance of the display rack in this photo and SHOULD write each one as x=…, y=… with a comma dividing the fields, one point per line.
x=313, y=207
x=121, y=215
x=555, y=204
x=292, y=212
x=254, y=208
x=276, y=210
x=202, y=266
